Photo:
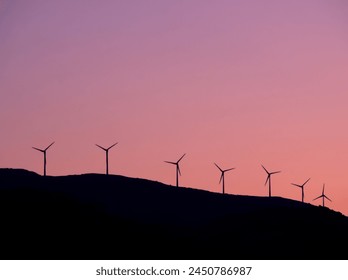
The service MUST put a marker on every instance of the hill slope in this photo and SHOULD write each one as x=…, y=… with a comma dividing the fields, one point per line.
x=93, y=216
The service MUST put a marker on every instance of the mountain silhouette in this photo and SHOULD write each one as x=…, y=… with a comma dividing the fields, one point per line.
x=94, y=216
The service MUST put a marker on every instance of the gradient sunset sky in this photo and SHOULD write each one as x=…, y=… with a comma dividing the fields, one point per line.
x=236, y=82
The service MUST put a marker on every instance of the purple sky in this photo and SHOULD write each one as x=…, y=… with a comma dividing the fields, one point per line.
x=238, y=83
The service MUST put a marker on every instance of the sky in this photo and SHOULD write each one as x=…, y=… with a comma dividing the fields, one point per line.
x=239, y=83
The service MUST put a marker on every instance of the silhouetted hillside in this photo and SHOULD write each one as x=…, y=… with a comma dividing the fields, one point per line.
x=94, y=216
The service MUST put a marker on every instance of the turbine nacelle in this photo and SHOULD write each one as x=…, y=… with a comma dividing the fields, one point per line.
x=301, y=186
x=106, y=149
x=269, y=174
x=44, y=150
x=268, y=179
x=223, y=171
x=223, y=175
x=176, y=163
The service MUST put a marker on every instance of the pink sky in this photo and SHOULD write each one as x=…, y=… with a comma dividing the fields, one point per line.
x=238, y=83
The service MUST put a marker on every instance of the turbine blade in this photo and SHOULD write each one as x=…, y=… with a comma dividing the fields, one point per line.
x=218, y=167
x=178, y=169
x=181, y=158
x=305, y=182
x=265, y=169
x=267, y=179
x=38, y=149
x=222, y=175
x=112, y=146
x=296, y=185
x=327, y=198
x=49, y=146
x=275, y=172
x=229, y=169
x=323, y=189
x=100, y=147
x=170, y=162
x=317, y=197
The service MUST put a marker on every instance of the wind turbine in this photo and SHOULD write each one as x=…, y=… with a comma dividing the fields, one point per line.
x=177, y=169
x=107, y=156
x=323, y=196
x=302, y=187
x=269, y=179
x=223, y=176
x=44, y=152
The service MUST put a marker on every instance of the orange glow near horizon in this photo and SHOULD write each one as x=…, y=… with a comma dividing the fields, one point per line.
x=233, y=82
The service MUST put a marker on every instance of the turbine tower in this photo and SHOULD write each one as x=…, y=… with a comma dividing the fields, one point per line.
x=107, y=156
x=44, y=152
x=323, y=196
x=177, y=169
x=302, y=187
x=269, y=179
x=222, y=178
